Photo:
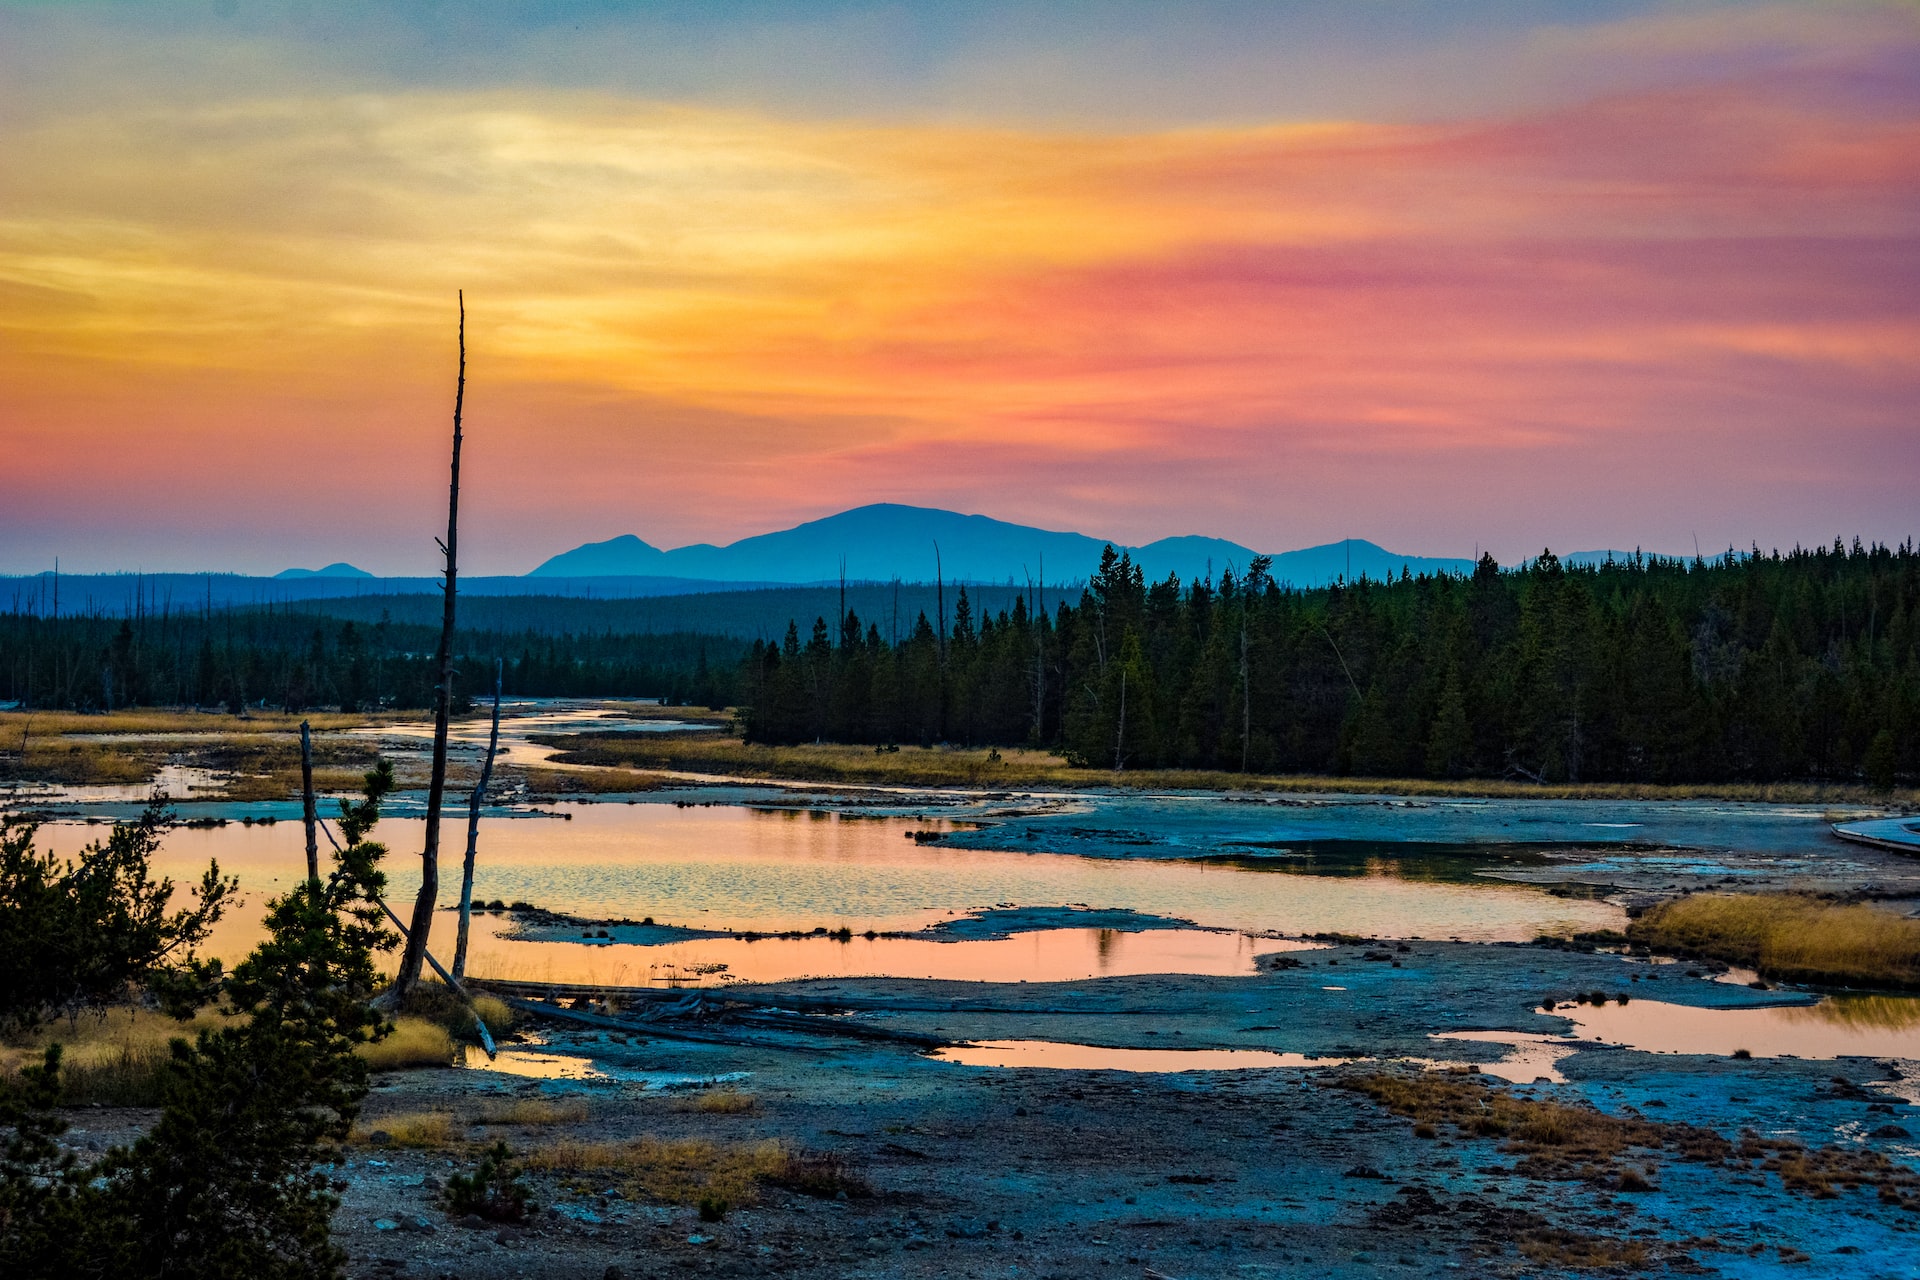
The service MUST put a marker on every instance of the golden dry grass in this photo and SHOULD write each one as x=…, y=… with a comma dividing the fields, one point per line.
x=1020, y=767
x=179, y=720
x=676, y=1170
x=1579, y=1142
x=414, y=1042
x=1789, y=937
x=587, y=782
x=495, y=1012
x=128, y=747
x=115, y=1057
x=718, y=1102
x=533, y=1112
x=429, y=1130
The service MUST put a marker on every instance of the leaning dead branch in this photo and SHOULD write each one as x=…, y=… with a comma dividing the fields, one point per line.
x=478, y=799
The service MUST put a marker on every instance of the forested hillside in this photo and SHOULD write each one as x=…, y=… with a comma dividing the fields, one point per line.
x=1753, y=667
x=297, y=658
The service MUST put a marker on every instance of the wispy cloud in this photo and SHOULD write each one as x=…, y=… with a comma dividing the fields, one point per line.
x=693, y=320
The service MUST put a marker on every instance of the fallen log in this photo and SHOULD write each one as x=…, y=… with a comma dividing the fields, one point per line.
x=802, y=1004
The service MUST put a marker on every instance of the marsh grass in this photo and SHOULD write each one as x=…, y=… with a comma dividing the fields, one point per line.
x=495, y=1012
x=421, y=1130
x=128, y=747
x=414, y=1042
x=676, y=1170
x=434, y=1002
x=116, y=1058
x=718, y=1102
x=533, y=1112
x=587, y=782
x=1024, y=767
x=1581, y=1251
x=1560, y=1141
x=1789, y=937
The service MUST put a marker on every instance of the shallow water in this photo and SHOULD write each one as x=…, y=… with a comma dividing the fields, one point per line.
x=1836, y=1027
x=1529, y=1057
x=1058, y=1056
x=742, y=868
x=1043, y=955
x=519, y=720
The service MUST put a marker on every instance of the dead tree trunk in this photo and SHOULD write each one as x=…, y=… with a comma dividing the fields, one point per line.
x=473, y=829
x=308, y=812
x=423, y=905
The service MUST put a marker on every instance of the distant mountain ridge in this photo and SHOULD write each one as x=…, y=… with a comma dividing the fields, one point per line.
x=338, y=569
x=887, y=540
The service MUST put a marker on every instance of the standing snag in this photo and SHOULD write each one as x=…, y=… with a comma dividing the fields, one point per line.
x=442, y=700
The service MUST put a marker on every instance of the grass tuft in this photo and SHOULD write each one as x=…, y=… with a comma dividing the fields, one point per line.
x=534, y=1112
x=117, y=1057
x=1789, y=937
x=678, y=1170
x=414, y=1042
x=718, y=1102
x=432, y=1130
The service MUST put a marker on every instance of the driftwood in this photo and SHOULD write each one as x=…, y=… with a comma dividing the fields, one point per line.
x=644, y=1030
x=779, y=1000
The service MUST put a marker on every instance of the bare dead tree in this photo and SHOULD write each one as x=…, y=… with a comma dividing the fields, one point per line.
x=1120, y=735
x=308, y=813
x=473, y=827
x=423, y=905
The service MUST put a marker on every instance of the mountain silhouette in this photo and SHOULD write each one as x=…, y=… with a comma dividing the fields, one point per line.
x=888, y=540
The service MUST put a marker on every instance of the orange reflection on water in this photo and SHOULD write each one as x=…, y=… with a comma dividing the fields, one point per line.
x=537, y=1066
x=1838, y=1026
x=1529, y=1057
x=1051, y=955
x=1057, y=1056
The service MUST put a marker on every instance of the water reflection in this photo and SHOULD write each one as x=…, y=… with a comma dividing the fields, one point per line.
x=1836, y=1027
x=532, y=1064
x=1058, y=1056
x=1529, y=1058
x=731, y=867
x=1046, y=955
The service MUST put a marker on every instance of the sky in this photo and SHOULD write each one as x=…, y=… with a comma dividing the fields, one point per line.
x=1468, y=274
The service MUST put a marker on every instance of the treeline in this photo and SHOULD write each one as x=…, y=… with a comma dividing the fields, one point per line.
x=1751, y=667
x=748, y=613
x=300, y=658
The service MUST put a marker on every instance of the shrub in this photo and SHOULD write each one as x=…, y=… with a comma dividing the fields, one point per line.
x=492, y=1191
x=229, y=1184
x=81, y=933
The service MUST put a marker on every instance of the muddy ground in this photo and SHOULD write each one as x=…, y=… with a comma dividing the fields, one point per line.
x=981, y=1171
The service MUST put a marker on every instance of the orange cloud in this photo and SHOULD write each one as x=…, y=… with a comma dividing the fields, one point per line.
x=697, y=323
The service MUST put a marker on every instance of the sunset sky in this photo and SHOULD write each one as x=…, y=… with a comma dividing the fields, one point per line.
x=1505, y=274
